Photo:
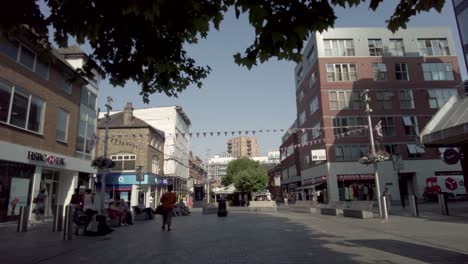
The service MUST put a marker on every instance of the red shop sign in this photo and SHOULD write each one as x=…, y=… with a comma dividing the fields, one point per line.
x=354, y=177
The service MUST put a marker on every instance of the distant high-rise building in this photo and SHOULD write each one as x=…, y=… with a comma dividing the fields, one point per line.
x=243, y=147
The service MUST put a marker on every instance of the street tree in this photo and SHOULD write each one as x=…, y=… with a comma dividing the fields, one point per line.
x=145, y=41
x=235, y=167
x=252, y=179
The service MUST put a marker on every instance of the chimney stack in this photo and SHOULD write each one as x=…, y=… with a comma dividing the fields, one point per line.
x=128, y=114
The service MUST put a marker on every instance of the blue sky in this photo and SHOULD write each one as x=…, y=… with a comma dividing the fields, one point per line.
x=234, y=98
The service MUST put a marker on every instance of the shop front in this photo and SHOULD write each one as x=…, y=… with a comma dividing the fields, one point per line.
x=127, y=187
x=24, y=171
x=359, y=187
x=314, y=189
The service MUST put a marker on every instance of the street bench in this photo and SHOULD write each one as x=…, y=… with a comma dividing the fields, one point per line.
x=262, y=206
x=305, y=207
x=359, y=209
x=332, y=208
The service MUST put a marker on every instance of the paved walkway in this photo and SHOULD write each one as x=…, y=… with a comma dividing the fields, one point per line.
x=244, y=237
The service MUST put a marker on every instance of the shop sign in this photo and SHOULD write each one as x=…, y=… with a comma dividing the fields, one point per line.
x=353, y=177
x=448, y=173
x=319, y=154
x=53, y=160
x=451, y=156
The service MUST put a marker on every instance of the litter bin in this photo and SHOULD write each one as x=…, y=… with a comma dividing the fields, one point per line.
x=222, y=210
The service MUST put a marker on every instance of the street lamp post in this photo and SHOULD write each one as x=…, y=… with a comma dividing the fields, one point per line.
x=374, y=154
x=106, y=139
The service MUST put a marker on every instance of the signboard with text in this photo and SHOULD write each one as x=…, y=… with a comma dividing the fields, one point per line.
x=319, y=154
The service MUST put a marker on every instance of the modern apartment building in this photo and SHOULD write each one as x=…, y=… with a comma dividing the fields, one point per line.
x=39, y=113
x=243, y=147
x=410, y=74
x=461, y=11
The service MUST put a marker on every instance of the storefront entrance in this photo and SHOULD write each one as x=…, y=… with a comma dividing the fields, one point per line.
x=50, y=183
x=359, y=187
x=15, y=188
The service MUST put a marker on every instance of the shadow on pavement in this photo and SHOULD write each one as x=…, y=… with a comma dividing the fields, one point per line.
x=414, y=251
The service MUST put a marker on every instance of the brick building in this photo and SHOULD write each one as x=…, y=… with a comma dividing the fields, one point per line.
x=409, y=74
x=197, y=171
x=133, y=145
x=39, y=113
x=240, y=147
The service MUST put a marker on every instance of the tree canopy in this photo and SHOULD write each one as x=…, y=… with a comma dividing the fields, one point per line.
x=247, y=175
x=144, y=40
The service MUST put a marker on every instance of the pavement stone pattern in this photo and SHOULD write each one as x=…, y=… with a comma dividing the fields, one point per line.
x=244, y=237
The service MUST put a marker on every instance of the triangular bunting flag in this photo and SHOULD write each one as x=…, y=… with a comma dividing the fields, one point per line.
x=281, y=130
x=219, y=133
x=190, y=134
x=274, y=130
x=183, y=134
x=204, y=134
x=261, y=131
x=211, y=133
x=240, y=132
x=253, y=132
x=225, y=133
x=233, y=132
x=246, y=132
x=268, y=131
x=303, y=130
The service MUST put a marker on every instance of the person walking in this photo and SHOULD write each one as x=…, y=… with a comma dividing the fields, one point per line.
x=76, y=199
x=246, y=200
x=168, y=200
x=39, y=209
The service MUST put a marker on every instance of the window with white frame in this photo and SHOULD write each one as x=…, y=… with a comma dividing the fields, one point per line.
x=316, y=131
x=314, y=105
x=350, y=152
x=397, y=48
x=299, y=74
x=66, y=84
x=343, y=125
x=433, y=47
x=401, y=71
x=341, y=72
x=338, y=47
x=375, y=47
x=61, y=130
x=301, y=96
x=304, y=138
x=384, y=99
x=307, y=159
x=438, y=97
x=406, y=99
x=124, y=162
x=438, y=71
x=155, y=165
x=302, y=118
x=345, y=99
x=20, y=108
x=415, y=151
x=388, y=126
x=380, y=71
x=411, y=125
x=24, y=56
x=312, y=80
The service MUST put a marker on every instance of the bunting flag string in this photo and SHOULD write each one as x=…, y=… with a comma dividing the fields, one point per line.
x=254, y=132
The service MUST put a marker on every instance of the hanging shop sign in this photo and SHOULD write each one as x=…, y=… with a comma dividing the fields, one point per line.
x=52, y=160
x=451, y=156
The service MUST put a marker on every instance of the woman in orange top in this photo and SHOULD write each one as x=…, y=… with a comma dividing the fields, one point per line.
x=168, y=200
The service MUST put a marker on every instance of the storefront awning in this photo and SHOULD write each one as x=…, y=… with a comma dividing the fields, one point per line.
x=449, y=126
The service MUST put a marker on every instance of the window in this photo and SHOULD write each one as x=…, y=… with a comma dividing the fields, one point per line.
x=299, y=74
x=392, y=149
x=62, y=125
x=344, y=125
x=316, y=131
x=88, y=98
x=388, y=126
x=314, y=105
x=397, y=48
x=433, y=47
x=406, y=99
x=310, y=53
x=341, y=72
x=312, y=80
x=401, y=71
x=350, y=152
x=346, y=99
x=384, y=99
x=375, y=47
x=307, y=159
x=25, y=111
x=338, y=47
x=9, y=48
x=155, y=165
x=301, y=96
x=26, y=58
x=380, y=71
x=411, y=125
x=66, y=85
x=437, y=71
x=304, y=138
x=124, y=162
x=415, y=151
x=438, y=97
x=302, y=118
